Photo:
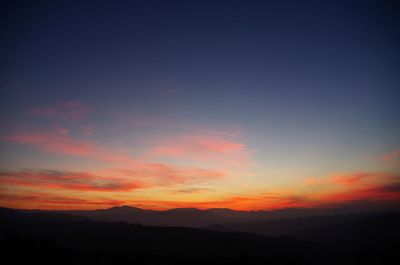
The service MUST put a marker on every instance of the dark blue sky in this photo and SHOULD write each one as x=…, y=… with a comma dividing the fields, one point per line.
x=212, y=49
x=228, y=60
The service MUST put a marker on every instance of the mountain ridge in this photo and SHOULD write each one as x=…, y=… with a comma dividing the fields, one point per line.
x=204, y=218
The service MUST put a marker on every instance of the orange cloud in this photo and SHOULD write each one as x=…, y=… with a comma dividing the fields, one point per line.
x=193, y=190
x=389, y=192
x=363, y=186
x=37, y=200
x=377, y=194
x=80, y=181
x=263, y=201
x=313, y=181
x=349, y=179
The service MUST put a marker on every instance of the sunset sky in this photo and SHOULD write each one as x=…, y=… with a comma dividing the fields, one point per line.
x=208, y=104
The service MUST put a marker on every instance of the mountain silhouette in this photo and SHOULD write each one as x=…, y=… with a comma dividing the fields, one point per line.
x=28, y=236
x=192, y=217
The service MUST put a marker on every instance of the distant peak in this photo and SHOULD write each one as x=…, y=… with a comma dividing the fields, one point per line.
x=185, y=210
x=120, y=207
x=124, y=207
x=222, y=210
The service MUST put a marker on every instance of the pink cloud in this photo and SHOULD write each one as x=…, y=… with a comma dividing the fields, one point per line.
x=394, y=155
x=215, y=146
x=122, y=180
x=71, y=110
x=153, y=174
x=87, y=129
x=204, y=148
x=167, y=175
x=58, y=141
x=80, y=181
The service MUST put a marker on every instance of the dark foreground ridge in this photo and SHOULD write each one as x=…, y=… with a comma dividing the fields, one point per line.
x=28, y=237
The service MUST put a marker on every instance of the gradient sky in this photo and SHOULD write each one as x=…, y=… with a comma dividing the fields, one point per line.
x=164, y=104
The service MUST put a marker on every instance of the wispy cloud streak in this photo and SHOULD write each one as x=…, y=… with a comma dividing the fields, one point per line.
x=69, y=110
x=80, y=181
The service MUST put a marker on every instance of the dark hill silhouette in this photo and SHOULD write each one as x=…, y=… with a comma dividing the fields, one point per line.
x=191, y=217
x=294, y=226
x=27, y=237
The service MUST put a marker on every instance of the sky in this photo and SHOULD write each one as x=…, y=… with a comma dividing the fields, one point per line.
x=249, y=105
